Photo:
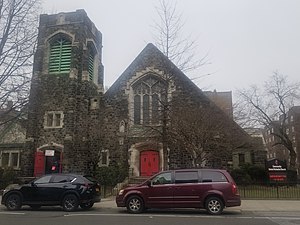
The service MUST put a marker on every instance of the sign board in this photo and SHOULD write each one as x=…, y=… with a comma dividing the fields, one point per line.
x=49, y=152
x=277, y=170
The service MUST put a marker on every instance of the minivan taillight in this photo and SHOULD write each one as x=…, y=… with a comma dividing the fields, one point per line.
x=234, y=189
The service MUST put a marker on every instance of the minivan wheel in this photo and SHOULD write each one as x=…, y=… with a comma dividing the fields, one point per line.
x=70, y=203
x=214, y=205
x=135, y=204
x=13, y=202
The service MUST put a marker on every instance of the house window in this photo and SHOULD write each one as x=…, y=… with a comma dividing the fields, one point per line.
x=54, y=119
x=241, y=159
x=104, y=158
x=60, y=56
x=292, y=118
x=149, y=94
x=10, y=159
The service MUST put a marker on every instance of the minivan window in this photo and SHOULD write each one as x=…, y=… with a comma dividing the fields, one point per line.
x=213, y=176
x=186, y=177
x=163, y=178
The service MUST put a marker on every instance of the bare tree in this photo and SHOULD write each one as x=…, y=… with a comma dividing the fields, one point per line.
x=205, y=134
x=263, y=106
x=18, y=35
x=169, y=38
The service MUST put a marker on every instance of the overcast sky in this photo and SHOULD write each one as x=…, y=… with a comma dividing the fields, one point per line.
x=246, y=40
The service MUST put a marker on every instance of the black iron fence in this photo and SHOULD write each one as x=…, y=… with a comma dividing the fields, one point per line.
x=270, y=191
x=250, y=191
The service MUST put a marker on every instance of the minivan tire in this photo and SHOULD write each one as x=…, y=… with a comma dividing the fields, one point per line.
x=135, y=204
x=214, y=205
x=70, y=203
x=13, y=202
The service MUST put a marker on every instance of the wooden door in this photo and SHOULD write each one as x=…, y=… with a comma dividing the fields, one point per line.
x=39, y=164
x=149, y=162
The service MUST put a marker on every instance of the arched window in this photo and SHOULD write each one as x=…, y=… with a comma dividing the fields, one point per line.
x=149, y=94
x=60, y=55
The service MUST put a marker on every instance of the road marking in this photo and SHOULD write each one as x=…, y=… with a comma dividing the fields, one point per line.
x=183, y=216
x=12, y=213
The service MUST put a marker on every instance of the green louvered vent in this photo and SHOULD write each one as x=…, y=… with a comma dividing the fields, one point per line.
x=91, y=67
x=60, y=56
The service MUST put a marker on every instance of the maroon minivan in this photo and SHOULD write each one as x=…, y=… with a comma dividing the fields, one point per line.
x=211, y=189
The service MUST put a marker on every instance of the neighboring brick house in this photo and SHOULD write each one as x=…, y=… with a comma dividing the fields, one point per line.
x=73, y=126
x=222, y=99
x=292, y=126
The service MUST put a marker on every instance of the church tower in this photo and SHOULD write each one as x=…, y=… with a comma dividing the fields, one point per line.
x=65, y=97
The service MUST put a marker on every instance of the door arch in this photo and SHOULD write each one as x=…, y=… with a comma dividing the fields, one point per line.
x=48, y=159
x=149, y=163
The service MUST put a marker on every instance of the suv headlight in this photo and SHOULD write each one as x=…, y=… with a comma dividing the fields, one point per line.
x=121, y=192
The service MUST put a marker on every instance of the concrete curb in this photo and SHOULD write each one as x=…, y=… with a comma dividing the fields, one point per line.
x=247, y=205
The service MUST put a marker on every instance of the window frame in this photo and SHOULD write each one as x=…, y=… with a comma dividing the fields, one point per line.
x=102, y=154
x=10, y=152
x=54, y=119
x=148, y=89
x=60, y=55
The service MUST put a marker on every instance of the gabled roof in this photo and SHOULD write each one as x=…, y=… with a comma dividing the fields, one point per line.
x=151, y=56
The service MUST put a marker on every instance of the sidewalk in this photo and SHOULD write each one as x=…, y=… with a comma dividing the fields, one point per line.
x=247, y=205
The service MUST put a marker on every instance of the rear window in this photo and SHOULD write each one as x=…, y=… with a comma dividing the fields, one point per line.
x=92, y=179
x=213, y=176
x=182, y=177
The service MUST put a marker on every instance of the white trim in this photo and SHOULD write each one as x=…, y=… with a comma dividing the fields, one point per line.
x=53, y=119
x=10, y=152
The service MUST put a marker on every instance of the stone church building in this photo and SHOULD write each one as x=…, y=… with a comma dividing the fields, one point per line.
x=147, y=120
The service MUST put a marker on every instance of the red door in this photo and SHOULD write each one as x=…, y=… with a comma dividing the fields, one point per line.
x=149, y=163
x=39, y=164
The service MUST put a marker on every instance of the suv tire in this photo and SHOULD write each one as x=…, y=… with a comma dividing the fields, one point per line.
x=86, y=206
x=13, y=202
x=70, y=203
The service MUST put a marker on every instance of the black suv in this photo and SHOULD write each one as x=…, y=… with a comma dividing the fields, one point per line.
x=67, y=190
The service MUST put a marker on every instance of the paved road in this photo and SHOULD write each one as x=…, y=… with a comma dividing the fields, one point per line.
x=256, y=212
x=113, y=216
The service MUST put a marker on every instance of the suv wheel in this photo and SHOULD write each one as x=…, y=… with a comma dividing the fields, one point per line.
x=135, y=204
x=13, y=202
x=70, y=203
x=214, y=205
x=87, y=205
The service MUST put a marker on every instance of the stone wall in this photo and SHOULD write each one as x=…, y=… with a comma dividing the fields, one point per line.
x=70, y=93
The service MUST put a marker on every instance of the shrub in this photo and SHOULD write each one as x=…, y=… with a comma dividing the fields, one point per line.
x=240, y=176
x=248, y=173
x=8, y=176
x=111, y=175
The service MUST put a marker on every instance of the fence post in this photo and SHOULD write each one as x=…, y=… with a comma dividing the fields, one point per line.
x=277, y=189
